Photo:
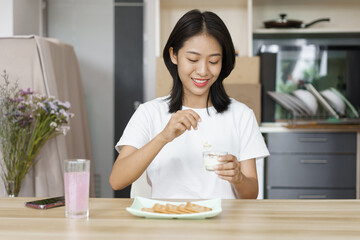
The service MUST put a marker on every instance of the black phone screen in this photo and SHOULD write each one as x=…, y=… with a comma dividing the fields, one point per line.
x=46, y=203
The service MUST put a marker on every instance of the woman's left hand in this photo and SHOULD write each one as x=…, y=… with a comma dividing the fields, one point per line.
x=230, y=170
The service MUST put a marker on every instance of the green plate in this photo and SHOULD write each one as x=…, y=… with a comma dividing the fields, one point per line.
x=140, y=202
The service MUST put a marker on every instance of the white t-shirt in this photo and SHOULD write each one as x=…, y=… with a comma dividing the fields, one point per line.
x=177, y=171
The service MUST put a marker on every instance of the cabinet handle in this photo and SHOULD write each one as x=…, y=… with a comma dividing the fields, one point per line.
x=313, y=161
x=311, y=196
x=310, y=139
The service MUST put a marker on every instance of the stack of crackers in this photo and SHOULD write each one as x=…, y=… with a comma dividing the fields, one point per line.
x=177, y=209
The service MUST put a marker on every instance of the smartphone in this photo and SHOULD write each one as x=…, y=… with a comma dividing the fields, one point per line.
x=46, y=203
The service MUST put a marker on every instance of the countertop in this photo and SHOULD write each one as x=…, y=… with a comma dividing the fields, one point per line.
x=240, y=219
x=267, y=127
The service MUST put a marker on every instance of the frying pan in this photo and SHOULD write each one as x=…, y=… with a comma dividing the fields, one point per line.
x=283, y=22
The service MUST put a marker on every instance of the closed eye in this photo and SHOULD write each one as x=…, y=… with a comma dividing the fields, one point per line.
x=191, y=60
x=214, y=62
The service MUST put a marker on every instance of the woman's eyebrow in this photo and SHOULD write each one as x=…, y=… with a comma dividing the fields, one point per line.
x=196, y=53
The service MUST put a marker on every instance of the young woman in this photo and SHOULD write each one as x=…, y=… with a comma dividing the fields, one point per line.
x=166, y=136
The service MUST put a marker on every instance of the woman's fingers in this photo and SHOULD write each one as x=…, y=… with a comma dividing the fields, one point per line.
x=185, y=121
x=179, y=123
x=228, y=162
x=230, y=170
x=230, y=179
x=193, y=122
x=227, y=166
x=188, y=117
x=195, y=116
x=230, y=173
x=181, y=127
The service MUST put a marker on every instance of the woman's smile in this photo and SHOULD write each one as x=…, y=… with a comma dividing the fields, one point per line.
x=199, y=82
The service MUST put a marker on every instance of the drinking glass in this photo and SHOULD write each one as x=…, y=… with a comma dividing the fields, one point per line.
x=77, y=179
x=211, y=158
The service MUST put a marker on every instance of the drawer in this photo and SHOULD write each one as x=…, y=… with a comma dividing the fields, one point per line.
x=311, y=193
x=312, y=142
x=321, y=171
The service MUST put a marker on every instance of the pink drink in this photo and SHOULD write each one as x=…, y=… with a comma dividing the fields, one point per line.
x=77, y=194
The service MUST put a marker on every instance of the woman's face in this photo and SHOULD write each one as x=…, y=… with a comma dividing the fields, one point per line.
x=199, y=63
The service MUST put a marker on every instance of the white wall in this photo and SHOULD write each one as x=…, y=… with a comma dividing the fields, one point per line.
x=27, y=17
x=88, y=25
x=6, y=18
x=20, y=17
x=151, y=37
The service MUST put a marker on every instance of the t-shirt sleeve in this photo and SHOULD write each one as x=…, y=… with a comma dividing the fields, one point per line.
x=252, y=141
x=136, y=132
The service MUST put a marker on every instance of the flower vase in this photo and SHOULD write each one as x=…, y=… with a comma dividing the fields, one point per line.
x=11, y=189
x=27, y=122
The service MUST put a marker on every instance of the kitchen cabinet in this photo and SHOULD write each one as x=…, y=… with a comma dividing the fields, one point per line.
x=235, y=13
x=311, y=165
x=310, y=194
x=245, y=17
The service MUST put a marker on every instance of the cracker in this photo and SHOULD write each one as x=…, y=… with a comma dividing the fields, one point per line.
x=147, y=210
x=159, y=208
x=173, y=209
x=183, y=209
x=197, y=208
x=177, y=209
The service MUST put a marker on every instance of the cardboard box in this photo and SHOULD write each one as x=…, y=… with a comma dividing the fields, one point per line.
x=246, y=70
x=249, y=94
x=163, y=78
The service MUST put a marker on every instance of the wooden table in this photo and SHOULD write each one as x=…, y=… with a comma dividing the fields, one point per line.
x=240, y=219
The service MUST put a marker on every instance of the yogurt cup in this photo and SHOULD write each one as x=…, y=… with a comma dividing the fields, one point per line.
x=211, y=159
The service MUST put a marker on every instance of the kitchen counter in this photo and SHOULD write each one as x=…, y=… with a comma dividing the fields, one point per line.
x=240, y=219
x=308, y=127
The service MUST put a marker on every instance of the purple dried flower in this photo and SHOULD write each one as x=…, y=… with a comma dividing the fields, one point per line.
x=27, y=92
x=27, y=115
x=25, y=119
x=16, y=100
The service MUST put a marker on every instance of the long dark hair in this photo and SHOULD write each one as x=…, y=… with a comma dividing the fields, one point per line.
x=193, y=23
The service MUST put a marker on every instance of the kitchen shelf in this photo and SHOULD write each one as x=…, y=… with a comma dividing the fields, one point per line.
x=304, y=31
x=344, y=17
x=236, y=14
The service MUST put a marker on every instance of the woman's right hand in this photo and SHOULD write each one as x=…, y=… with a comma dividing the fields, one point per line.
x=179, y=122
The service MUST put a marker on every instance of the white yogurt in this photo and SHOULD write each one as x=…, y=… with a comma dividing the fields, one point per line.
x=210, y=159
